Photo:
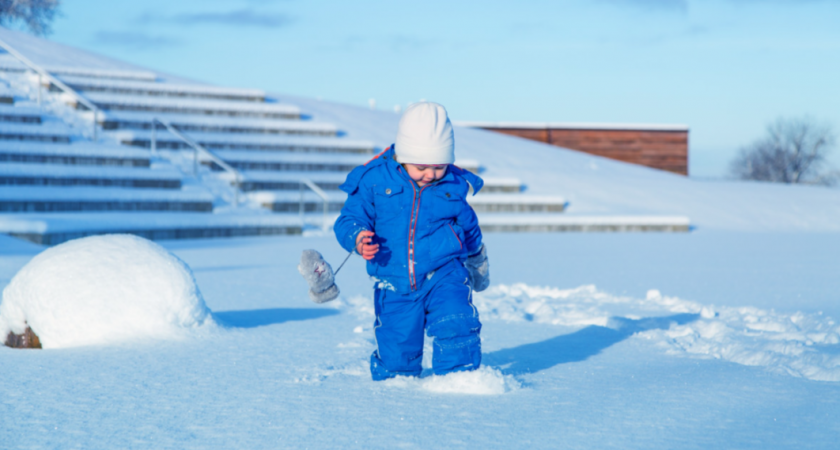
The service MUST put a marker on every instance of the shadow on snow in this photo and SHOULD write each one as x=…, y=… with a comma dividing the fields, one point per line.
x=577, y=346
x=260, y=317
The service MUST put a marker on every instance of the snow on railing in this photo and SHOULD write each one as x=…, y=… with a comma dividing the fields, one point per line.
x=42, y=73
x=237, y=176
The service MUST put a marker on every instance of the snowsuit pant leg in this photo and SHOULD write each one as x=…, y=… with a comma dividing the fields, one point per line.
x=443, y=308
x=452, y=320
x=399, y=335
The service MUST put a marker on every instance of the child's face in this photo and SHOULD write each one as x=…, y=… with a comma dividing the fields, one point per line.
x=424, y=174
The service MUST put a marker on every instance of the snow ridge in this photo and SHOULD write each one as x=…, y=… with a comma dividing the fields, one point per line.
x=797, y=344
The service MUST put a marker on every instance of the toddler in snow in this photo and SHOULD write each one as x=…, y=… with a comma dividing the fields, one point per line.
x=407, y=215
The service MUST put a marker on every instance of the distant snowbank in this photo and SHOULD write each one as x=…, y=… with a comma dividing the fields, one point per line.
x=802, y=345
x=102, y=290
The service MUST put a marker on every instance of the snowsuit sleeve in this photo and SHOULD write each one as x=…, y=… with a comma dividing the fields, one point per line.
x=357, y=213
x=468, y=221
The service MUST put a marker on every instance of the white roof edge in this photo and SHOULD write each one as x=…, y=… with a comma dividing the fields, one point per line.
x=573, y=125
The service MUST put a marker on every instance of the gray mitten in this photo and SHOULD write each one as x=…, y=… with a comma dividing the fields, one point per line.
x=319, y=275
x=479, y=269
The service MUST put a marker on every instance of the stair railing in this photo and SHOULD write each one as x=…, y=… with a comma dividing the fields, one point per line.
x=197, y=148
x=320, y=193
x=42, y=73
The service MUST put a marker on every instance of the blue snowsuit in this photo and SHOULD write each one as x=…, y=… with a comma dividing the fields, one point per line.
x=424, y=236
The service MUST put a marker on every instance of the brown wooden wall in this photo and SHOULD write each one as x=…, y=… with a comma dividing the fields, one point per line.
x=664, y=150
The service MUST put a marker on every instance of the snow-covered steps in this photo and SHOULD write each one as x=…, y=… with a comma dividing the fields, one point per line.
x=132, y=120
x=55, y=228
x=501, y=185
x=116, y=102
x=77, y=153
x=23, y=174
x=151, y=88
x=572, y=223
x=513, y=203
x=241, y=141
x=20, y=199
x=281, y=161
x=7, y=97
x=9, y=63
x=19, y=114
x=290, y=201
x=47, y=132
x=287, y=180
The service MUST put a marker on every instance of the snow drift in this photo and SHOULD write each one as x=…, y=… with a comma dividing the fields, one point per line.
x=797, y=344
x=102, y=290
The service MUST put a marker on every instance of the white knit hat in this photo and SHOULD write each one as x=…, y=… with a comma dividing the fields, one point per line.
x=425, y=135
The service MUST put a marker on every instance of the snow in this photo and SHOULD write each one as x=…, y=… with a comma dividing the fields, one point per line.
x=299, y=143
x=598, y=186
x=292, y=157
x=46, y=128
x=244, y=123
x=723, y=337
x=294, y=176
x=581, y=220
x=515, y=199
x=188, y=103
x=66, y=171
x=84, y=193
x=103, y=290
x=484, y=381
x=86, y=82
x=17, y=110
x=80, y=148
x=790, y=343
x=105, y=221
x=574, y=126
x=286, y=370
x=62, y=59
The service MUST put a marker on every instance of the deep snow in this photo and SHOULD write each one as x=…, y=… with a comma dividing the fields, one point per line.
x=291, y=374
x=103, y=290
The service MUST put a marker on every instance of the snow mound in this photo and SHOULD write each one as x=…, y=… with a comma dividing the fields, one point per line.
x=101, y=290
x=798, y=344
x=482, y=381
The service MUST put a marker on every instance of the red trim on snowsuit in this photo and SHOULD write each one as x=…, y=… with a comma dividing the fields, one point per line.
x=460, y=244
x=377, y=156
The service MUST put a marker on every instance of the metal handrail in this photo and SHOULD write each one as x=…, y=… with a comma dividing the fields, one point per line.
x=197, y=148
x=318, y=191
x=55, y=81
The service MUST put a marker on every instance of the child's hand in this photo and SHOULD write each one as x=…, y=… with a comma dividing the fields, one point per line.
x=364, y=246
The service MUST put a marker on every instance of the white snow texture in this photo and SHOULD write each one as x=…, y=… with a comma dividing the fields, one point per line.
x=102, y=290
x=786, y=343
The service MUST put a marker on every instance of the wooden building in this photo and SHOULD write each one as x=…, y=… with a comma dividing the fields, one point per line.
x=663, y=147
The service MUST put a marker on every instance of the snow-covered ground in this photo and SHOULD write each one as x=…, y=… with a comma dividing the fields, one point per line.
x=710, y=339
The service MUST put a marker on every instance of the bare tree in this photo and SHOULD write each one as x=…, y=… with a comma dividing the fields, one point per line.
x=792, y=151
x=36, y=14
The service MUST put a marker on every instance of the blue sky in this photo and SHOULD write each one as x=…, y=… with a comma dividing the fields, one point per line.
x=724, y=67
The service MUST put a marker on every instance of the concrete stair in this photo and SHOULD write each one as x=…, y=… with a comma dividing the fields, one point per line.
x=56, y=184
x=132, y=120
x=154, y=89
x=210, y=107
x=77, y=153
x=245, y=141
x=24, y=174
x=20, y=199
